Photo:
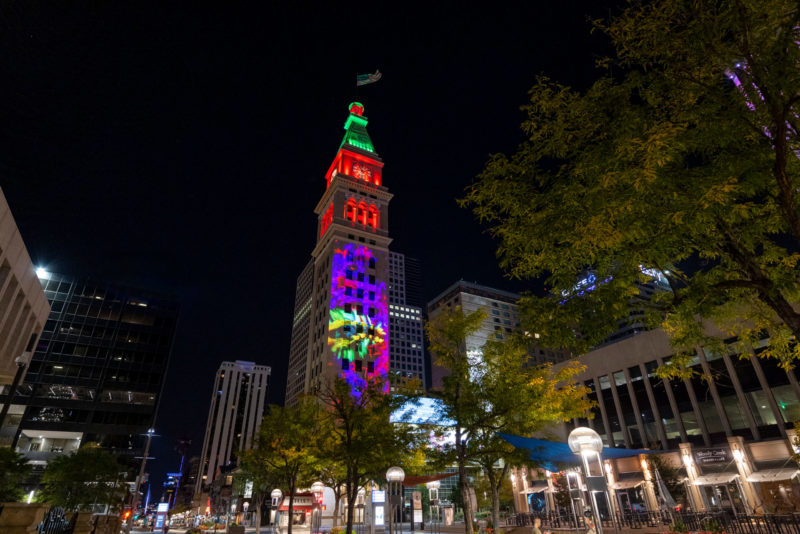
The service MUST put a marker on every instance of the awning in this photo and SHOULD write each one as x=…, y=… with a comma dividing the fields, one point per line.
x=627, y=484
x=552, y=455
x=770, y=475
x=715, y=478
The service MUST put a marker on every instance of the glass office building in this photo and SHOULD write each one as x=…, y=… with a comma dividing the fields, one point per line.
x=98, y=369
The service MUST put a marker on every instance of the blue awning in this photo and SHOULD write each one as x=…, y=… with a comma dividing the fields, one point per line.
x=552, y=455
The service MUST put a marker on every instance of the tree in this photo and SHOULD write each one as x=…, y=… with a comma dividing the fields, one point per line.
x=254, y=468
x=286, y=448
x=13, y=468
x=359, y=436
x=89, y=476
x=672, y=477
x=681, y=162
x=498, y=391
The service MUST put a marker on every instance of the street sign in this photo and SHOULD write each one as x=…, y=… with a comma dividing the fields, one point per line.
x=378, y=496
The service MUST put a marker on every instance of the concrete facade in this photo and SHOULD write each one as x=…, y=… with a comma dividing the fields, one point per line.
x=23, y=305
x=730, y=425
x=234, y=416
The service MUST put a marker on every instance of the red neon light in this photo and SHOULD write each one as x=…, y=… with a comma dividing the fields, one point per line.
x=327, y=219
x=343, y=163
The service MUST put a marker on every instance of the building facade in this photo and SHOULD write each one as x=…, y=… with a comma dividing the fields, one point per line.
x=407, y=350
x=301, y=327
x=237, y=407
x=23, y=305
x=98, y=370
x=348, y=326
x=731, y=424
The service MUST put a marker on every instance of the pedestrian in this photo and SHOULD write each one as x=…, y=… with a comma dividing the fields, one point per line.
x=537, y=522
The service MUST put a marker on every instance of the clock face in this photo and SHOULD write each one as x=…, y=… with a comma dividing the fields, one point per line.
x=362, y=172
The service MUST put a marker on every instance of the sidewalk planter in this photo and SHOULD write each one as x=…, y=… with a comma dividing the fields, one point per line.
x=19, y=518
x=237, y=529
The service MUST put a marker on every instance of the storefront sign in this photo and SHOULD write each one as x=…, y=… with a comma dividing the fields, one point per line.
x=712, y=456
x=416, y=499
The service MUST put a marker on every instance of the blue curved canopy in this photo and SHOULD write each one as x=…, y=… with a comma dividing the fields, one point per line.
x=552, y=455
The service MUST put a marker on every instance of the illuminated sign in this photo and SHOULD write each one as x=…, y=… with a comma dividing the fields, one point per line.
x=163, y=507
x=379, y=516
x=378, y=496
x=248, y=489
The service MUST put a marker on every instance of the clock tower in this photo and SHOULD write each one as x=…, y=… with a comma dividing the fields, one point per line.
x=341, y=307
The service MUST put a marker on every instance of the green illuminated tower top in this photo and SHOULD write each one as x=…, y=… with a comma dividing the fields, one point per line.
x=356, y=129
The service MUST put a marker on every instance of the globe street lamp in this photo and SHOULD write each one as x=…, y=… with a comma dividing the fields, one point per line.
x=277, y=497
x=433, y=499
x=395, y=476
x=587, y=443
x=316, y=521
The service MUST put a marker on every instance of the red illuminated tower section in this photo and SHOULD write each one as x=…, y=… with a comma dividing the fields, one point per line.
x=348, y=330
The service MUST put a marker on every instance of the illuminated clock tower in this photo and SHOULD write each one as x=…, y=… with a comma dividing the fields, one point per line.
x=341, y=307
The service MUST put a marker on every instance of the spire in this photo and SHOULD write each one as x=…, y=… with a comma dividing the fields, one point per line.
x=356, y=129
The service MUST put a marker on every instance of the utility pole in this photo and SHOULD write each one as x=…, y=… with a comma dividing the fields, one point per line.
x=135, y=502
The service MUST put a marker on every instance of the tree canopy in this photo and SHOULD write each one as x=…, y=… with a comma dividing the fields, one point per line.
x=84, y=478
x=358, y=441
x=13, y=469
x=286, y=449
x=491, y=389
x=681, y=159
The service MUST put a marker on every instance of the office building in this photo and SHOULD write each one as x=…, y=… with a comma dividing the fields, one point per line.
x=23, y=312
x=407, y=349
x=348, y=321
x=301, y=326
x=97, y=371
x=237, y=407
x=23, y=306
x=731, y=423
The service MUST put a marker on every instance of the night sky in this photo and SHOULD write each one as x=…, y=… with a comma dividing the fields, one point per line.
x=183, y=148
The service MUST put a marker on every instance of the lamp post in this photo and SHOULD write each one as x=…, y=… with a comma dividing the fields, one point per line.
x=277, y=497
x=395, y=476
x=317, y=489
x=587, y=443
x=433, y=499
x=150, y=433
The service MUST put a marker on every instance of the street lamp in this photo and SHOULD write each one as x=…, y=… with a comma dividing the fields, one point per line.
x=433, y=498
x=587, y=443
x=316, y=520
x=395, y=476
x=277, y=497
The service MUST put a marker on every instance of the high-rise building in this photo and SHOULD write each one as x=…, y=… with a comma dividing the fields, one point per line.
x=237, y=407
x=502, y=319
x=98, y=370
x=23, y=306
x=301, y=326
x=349, y=312
x=23, y=312
x=406, y=352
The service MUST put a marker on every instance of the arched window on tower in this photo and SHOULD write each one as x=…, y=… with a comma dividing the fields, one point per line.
x=350, y=210
x=372, y=216
x=362, y=212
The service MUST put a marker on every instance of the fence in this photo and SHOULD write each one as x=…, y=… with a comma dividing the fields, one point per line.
x=717, y=522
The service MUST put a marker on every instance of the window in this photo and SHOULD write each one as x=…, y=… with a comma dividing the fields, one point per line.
x=362, y=212
x=371, y=295
x=360, y=277
x=372, y=263
x=372, y=279
x=348, y=308
x=350, y=210
x=372, y=216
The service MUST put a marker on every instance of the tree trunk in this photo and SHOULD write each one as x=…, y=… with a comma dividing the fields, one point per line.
x=495, y=485
x=463, y=486
x=352, y=494
x=258, y=515
x=337, y=496
x=291, y=507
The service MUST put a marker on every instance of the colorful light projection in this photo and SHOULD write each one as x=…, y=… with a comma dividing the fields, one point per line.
x=359, y=317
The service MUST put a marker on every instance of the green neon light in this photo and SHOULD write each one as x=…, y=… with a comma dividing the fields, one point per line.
x=356, y=133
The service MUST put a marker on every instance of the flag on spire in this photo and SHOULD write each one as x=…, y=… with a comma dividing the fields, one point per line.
x=364, y=79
